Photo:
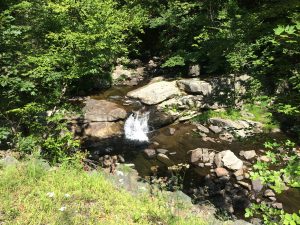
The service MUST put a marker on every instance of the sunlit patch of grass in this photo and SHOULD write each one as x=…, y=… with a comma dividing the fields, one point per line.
x=32, y=195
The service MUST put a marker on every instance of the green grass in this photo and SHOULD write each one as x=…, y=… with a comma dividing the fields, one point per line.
x=258, y=113
x=88, y=198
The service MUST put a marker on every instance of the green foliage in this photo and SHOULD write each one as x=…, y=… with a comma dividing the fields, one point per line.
x=283, y=163
x=47, y=49
x=174, y=61
x=272, y=216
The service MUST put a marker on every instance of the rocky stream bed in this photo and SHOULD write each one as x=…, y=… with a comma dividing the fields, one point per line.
x=208, y=161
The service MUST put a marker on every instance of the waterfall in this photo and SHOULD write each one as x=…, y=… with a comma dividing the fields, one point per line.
x=136, y=126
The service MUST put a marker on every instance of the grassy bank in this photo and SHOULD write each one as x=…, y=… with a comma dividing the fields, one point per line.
x=34, y=194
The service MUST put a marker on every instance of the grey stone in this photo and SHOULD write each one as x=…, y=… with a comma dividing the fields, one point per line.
x=231, y=161
x=269, y=193
x=277, y=205
x=248, y=154
x=103, y=111
x=239, y=173
x=257, y=185
x=195, y=86
x=155, y=93
x=202, y=128
x=221, y=172
x=215, y=129
x=149, y=153
x=194, y=70
x=226, y=136
x=225, y=123
x=205, y=155
x=218, y=160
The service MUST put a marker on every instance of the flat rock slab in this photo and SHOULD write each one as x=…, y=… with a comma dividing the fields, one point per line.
x=155, y=93
x=103, y=111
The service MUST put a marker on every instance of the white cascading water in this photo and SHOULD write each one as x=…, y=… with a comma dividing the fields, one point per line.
x=136, y=127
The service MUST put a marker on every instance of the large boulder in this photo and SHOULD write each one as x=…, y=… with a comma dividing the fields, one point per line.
x=195, y=86
x=228, y=159
x=102, y=130
x=155, y=93
x=103, y=111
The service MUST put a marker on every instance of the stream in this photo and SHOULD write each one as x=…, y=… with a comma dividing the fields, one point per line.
x=175, y=140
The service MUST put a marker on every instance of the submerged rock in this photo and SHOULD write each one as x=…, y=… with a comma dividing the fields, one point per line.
x=101, y=130
x=155, y=93
x=103, y=111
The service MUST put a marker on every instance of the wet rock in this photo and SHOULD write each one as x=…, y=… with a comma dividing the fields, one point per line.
x=269, y=193
x=215, y=129
x=158, y=119
x=195, y=86
x=172, y=130
x=202, y=128
x=248, y=154
x=103, y=111
x=102, y=130
x=165, y=159
x=149, y=153
x=257, y=185
x=163, y=151
x=277, y=205
x=155, y=93
x=230, y=161
x=221, y=172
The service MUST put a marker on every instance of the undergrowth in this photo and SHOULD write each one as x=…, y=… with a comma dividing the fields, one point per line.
x=33, y=193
